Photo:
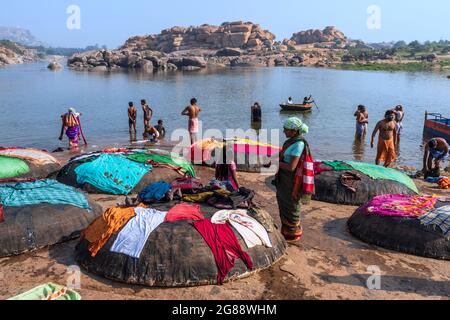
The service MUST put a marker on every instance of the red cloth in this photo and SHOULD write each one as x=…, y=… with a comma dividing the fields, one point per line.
x=2, y=217
x=319, y=167
x=183, y=212
x=14, y=180
x=224, y=246
x=304, y=175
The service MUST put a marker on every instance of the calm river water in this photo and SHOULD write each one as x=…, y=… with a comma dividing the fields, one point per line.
x=33, y=98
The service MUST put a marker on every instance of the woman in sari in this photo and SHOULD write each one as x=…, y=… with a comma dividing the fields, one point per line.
x=288, y=194
x=71, y=125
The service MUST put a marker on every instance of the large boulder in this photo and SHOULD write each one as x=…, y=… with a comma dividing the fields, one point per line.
x=229, y=52
x=55, y=66
x=329, y=34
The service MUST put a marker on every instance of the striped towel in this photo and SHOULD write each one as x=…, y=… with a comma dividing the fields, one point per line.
x=304, y=176
x=439, y=217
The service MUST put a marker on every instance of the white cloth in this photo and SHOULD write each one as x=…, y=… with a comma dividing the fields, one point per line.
x=133, y=237
x=253, y=233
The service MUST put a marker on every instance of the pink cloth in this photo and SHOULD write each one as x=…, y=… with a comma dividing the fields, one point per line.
x=183, y=212
x=400, y=205
x=193, y=125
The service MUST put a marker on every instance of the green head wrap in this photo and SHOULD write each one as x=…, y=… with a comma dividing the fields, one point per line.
x=295, y=123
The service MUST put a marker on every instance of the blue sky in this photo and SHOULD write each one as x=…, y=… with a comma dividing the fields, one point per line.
x=112, y=22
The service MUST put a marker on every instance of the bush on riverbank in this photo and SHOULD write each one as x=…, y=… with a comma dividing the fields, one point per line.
x=411, y=66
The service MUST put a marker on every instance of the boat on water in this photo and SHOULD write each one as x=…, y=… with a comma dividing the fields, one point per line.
x=436, y=126
x=296, y=107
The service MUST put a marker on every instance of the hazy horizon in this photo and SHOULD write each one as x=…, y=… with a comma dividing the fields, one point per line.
x=112, y=23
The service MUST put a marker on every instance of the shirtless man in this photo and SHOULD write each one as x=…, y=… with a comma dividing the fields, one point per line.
x=399, y=116
x=386, y=140
x=362, y=121
x=192, y=111
x=148, y=113
x=132, y=115
x=436, y=149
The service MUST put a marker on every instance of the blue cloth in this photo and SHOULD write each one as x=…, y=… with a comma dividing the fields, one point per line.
x=440, y=218
x=41, y=191
x=433, y=179
x=437, y=154
x=113, y=174
x=294, y=150
x=155, y=191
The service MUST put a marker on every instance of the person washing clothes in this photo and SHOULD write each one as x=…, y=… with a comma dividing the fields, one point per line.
x=436, y=150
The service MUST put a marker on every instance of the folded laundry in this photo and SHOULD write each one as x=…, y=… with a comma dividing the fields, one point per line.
x=155, y=191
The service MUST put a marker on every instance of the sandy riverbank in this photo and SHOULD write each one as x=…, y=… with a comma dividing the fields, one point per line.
x=328, y=264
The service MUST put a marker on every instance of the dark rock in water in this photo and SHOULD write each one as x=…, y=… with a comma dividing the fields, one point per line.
x=58, y=150
x=54, y=66
x=227, y=52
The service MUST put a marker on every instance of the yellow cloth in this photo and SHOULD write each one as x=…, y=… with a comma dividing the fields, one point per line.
x=386, y=151
x=199, y=197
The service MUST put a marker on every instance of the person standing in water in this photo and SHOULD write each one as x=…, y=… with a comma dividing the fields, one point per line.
x=256, y=113
x=386, y=140
x=132, y=116
x=192, y=111
x=72, y=126
x=399, y=116
x=148, y=113
x=362, y=121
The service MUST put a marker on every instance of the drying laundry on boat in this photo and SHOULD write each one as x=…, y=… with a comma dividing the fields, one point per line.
x=49, y=291
x=439, y=217
x=253, y=233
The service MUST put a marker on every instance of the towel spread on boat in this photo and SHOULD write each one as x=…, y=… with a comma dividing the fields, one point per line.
x=12, y=167
x=439, y=217
x=253, y=233
x=33, y=155
x=224, y=246
x=114, y=174
x=183, y=212
x=400, y=205
x=337, y=165
x=381, y=173
x=155, y=191
x=176, y=162
x=41, y=191
x=99, y=231
x=48, y=291
x=133, y=237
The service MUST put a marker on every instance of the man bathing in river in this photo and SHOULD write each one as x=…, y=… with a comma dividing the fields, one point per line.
x=386, y=140
x=192, y=111
x=362, y=121
x=132, y=115
x=148, y=113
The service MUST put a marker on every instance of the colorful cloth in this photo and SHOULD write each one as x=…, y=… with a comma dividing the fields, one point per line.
x=133, y=237
x=295, y=150
x=295, y=123
x=172, y=160
x=12, y=167
x=444, y=183
x=72, y=133
x=183, y=212
x=378, y=172
x=338, y=165
x=99, y=232
x=400, y=205
x=224, y=246
x=304, y=174
x=41, y=191
x=187, y=183
x=193, y=125
x=386, y=151
x=439, y=217
x=231, y=168
x=156, y=191
x=113, y=174
x=320, y=167
x=253, y=233
x=199, y=197
x=33, y=155
x=49, y=291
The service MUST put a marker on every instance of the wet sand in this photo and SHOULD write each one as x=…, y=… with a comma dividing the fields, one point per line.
x=329, y=263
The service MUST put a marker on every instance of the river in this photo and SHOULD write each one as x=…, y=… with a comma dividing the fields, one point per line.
x=33, y=98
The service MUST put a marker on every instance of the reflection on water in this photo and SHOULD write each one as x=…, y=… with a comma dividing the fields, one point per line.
x=32, y=100
x=359, y=147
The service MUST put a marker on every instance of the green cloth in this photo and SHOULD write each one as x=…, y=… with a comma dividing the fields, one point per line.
x=112, y=173
x=41, y=191
x=12, y=167
x=382, y=173
x=295, y=123
x=338, y=165
x=187, y=167
x=43, y=291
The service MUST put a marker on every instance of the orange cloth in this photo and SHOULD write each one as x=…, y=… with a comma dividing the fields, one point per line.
x=444, y=183
x=112, y=220
x=386, y=151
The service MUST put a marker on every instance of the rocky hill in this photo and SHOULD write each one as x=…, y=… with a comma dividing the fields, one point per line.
x=237, y=34
x=316, y=36
x=12, y=53
x=20, y=36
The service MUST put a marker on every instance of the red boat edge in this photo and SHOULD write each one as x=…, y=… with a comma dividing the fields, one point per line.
x=436, y=126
